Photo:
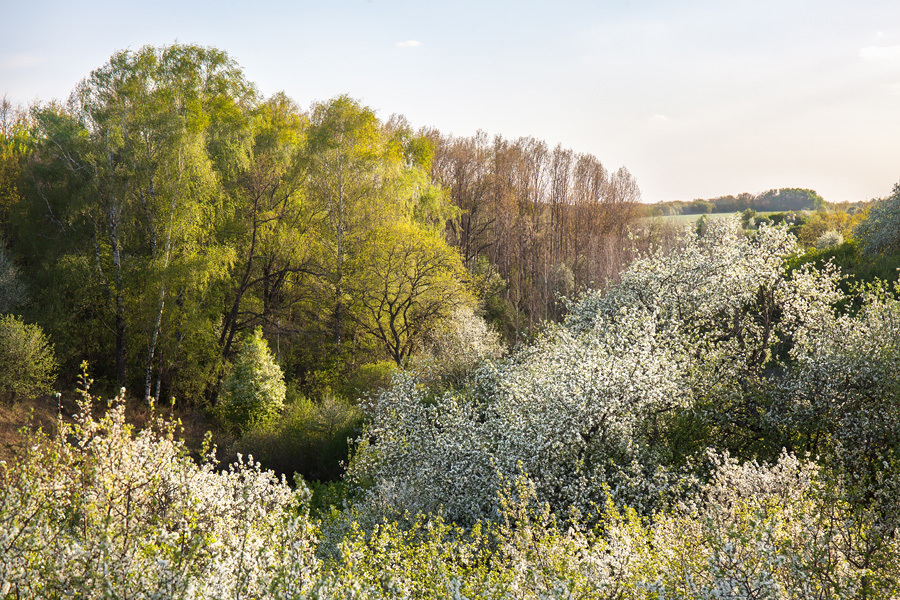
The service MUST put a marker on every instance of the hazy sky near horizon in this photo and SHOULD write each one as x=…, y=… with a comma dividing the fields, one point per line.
x=697, y=98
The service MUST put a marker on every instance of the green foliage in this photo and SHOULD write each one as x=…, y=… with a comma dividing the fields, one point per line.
x=489, y=288
x=856, y=267
x=818, y=223
x=12, y=290
x=699, y=207
x=253, y=391
x=785, y=199
x=411, y=281
x=27, y=361
x=369, y=378
x=16, y=144
x=309, y=438
x=384, y=272
x=750, y=219
x=268, y=223
x=702, y=224
x=129, y=192
x=788, y=199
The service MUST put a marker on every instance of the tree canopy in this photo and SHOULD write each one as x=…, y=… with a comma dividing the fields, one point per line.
x=179, y=210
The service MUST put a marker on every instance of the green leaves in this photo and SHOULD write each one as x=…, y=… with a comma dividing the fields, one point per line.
x=406, y=281
x=253, y=392
x=28, y=361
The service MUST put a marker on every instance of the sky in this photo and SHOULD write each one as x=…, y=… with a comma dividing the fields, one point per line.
x=696, y=98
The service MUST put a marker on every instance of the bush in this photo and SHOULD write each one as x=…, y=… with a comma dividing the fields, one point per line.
x=829, y=239
x=457, y=345
x=819, y=223
x=12, y=290
x=253, y=393
x=368, y=378
x=102, y=511
x=310, y=438
x=27, y=360
x=879, y=232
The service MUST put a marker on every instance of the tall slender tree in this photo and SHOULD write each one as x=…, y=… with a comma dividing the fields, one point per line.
x=143, y=142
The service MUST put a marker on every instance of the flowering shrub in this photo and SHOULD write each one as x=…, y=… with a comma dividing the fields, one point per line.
x=458, y=343
x=586, y=406
x=829, y=239
x=761, y=531
x=880, y=230
x=753, y=531
x=101, y=511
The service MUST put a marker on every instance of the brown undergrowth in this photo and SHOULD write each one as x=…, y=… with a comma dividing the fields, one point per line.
x=43, y=412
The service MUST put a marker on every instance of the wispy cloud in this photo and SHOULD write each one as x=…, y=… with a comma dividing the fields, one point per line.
x=19, y=61
x=879, y=52
x=659, y=119
x=409, y=44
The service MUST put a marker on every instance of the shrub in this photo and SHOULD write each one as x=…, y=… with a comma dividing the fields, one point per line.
x=457, y=344
x=102, y=511
x=253, y=392
x=12, y=290
x=368, y=378
x=829, y=239
x=879, y=231
x=310, y=438
x=27, y=360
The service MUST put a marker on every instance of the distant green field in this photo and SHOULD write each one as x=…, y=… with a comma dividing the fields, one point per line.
x=692, y=218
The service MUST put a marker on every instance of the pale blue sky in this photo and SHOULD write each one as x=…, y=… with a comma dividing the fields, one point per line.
x=697, y=98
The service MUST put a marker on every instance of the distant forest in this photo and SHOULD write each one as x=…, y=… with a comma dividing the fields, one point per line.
x=783, y=199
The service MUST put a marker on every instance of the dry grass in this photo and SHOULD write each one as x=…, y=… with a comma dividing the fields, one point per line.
x=44, y=412
x=30, y=414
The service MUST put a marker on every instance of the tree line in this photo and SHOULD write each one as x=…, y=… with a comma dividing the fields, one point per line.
x=548, y=221
x=780, y=199
x=168, y=209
